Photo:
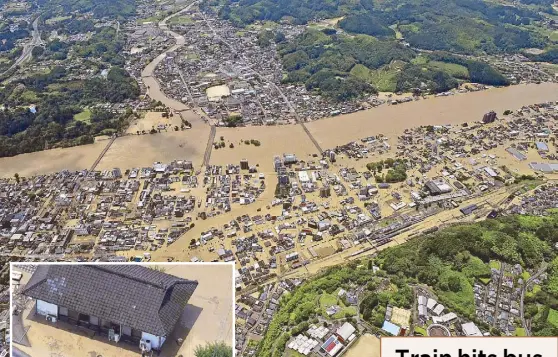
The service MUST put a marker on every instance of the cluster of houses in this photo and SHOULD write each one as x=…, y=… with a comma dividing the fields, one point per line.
x=229, y=185
x=543, y=199
x=324, y=341
x=253, y=315
x=228, y=74
x=435, y=320
x=109, y=211
x=498, y=301
x=520, y=69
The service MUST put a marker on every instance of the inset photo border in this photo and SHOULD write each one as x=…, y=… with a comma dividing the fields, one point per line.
x=121, y=309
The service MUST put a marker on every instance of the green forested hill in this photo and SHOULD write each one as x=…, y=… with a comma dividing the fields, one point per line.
x=369, y=53
x=99, y=8
x=448, y=261
x=451, y=260
x=55, y=95
x=463, y=26
x=321, y=59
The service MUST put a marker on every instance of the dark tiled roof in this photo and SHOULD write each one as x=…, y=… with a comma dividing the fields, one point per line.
x=144, y=299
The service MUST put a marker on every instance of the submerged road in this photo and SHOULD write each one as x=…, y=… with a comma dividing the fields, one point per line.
x=209, y=147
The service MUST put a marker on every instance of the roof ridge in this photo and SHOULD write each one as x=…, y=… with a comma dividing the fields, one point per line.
x=131, y=277
x=40, y=279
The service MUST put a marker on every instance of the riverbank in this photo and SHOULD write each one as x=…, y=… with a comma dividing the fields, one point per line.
x=388, y=120
x=392, y=120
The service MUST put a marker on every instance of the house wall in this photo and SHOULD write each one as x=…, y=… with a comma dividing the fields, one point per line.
x=156, y=341
x=126, y=330
x=45, y=308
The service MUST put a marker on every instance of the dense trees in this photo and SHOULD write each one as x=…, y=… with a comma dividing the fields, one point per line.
x=397, y=170
x=266, y=37
x=53, y=123
x=416, y=77
x=549, y=55
x=366, y=24
x=453, y=25
x=8, y=38
x=300, y=11
x=451, y=259
x=323, y=62
x=99, y=8
x=40, y=107
x=117, y=87
x=479, y=72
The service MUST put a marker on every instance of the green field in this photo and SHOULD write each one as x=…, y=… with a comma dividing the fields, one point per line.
x=520, y=332
x=420, y=60
x=383, y=79
x=327, y=300
x=181, y=20
x=53, y=20
x=155, y=18
x=420, y=330
x=84, y=116
x=29, y=96
x=553, y=317
x=192, y=56
x=495, y=264
x=398, y=35
x=455, y=70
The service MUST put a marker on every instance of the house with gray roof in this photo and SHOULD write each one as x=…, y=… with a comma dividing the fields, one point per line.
x=125, y=302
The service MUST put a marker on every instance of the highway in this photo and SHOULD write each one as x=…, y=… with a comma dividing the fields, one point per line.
x=28, y=47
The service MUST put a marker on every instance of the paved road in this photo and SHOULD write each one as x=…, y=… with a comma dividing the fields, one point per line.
x=500, y=277
x=28, y=47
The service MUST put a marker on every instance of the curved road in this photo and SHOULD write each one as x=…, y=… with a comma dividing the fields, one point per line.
x=28, y=47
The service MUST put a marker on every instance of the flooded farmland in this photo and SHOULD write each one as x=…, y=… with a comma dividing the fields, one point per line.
x=134, y=150
x=143, y=150
x=274, y=140
x=42, y=162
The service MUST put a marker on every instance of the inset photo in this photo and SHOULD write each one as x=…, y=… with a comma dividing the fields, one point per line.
x=122, y=310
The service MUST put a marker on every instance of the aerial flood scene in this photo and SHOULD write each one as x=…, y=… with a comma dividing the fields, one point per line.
x=363, y=169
